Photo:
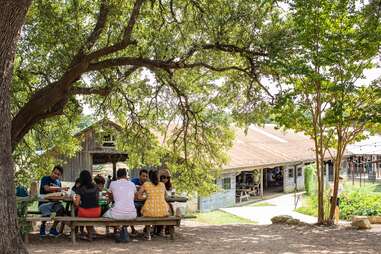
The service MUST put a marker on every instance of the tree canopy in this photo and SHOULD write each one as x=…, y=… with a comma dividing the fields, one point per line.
x=333, y=43
x=182, y=70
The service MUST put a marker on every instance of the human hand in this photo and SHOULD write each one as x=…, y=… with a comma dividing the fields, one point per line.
x=75, y=197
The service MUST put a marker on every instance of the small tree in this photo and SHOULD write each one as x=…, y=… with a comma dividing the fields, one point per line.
x=334, y=42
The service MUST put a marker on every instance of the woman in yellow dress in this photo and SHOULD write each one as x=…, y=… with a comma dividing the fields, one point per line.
x=155, y=204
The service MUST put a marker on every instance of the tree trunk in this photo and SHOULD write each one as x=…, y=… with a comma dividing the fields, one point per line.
x=12, y=16
x=339, y=156
x=320, y=173
x=319, y=154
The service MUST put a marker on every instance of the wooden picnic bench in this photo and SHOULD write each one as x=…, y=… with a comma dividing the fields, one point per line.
x=242, y=194
x=74, y=222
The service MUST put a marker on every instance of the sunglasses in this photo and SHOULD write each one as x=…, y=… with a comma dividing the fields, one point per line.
x=165, y=177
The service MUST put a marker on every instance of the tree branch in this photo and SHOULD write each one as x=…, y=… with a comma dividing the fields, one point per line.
x=94, y=35
x=151, y=63
x=126, y=35
x=102, y=18
x=103, y=91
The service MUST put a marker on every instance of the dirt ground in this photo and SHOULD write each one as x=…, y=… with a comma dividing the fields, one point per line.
x=198, y=238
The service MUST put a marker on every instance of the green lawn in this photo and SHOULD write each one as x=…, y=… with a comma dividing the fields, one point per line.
x=221, y=218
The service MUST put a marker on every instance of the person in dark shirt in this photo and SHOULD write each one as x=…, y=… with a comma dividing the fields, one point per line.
x=76, y=185
x=21, y=191
x=86, y=199
x=50, y=184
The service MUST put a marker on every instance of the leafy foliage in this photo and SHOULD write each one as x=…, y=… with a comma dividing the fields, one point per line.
x=169, y=69
x=37, y=154
x=310, y=179
x=360, y=203
x=333, y=43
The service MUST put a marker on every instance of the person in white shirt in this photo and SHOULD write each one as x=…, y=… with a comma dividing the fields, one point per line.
x=123, y=193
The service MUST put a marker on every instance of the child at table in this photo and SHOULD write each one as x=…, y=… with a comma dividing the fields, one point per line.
x=103, y=202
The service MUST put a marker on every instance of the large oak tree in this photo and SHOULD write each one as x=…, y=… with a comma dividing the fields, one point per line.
x=165, y=61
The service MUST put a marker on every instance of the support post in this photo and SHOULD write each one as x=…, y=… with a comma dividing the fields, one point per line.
x=72, y=229
x=113, y=170
x=262, y=183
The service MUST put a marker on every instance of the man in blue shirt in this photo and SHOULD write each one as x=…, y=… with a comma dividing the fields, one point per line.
x=143, y=176
x=50, y=184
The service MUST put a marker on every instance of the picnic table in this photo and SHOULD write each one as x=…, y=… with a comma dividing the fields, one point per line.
x=172, y=199
x=72, y=221
x=68, y=200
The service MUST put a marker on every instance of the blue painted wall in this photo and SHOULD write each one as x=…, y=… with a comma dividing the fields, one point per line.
x=223, y=198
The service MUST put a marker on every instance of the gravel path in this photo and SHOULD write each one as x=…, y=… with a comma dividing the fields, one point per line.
x=195, y=238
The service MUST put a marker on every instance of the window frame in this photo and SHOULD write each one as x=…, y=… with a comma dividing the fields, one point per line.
x=299, y=171
x=226, y=185
x=290, y=173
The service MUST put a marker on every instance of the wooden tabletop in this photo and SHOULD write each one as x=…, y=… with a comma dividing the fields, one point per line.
x=58, y=198
x=69, y=199
x=176, y=199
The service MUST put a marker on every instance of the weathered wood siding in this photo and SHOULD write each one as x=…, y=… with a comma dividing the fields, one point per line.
x=82, y=159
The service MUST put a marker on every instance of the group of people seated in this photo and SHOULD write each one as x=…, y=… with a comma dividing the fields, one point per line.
x=123, y=200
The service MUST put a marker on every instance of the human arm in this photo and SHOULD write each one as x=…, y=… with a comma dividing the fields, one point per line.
x=139, y=194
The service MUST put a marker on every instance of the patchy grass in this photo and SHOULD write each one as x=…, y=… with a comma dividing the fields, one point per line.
x=308, y=207
x=221, y=218
x=262, y=204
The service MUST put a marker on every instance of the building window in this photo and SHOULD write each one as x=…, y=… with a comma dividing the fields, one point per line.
x=108, y=140
x=226, y=183
x=300, y=172
x=290, y=173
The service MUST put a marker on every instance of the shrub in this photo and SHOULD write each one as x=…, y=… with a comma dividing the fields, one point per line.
x=359, y=203
x=352, y=203
x=309, y=178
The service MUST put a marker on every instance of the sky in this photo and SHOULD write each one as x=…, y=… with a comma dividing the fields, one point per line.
x=370, y=75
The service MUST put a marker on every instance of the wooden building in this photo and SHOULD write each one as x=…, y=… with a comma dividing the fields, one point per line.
x=98, y=146
x=263, y=161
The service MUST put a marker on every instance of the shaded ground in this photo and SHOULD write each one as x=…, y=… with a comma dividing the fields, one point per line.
x=201, y=238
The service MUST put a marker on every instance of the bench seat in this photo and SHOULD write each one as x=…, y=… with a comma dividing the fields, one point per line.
x=74, y=222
